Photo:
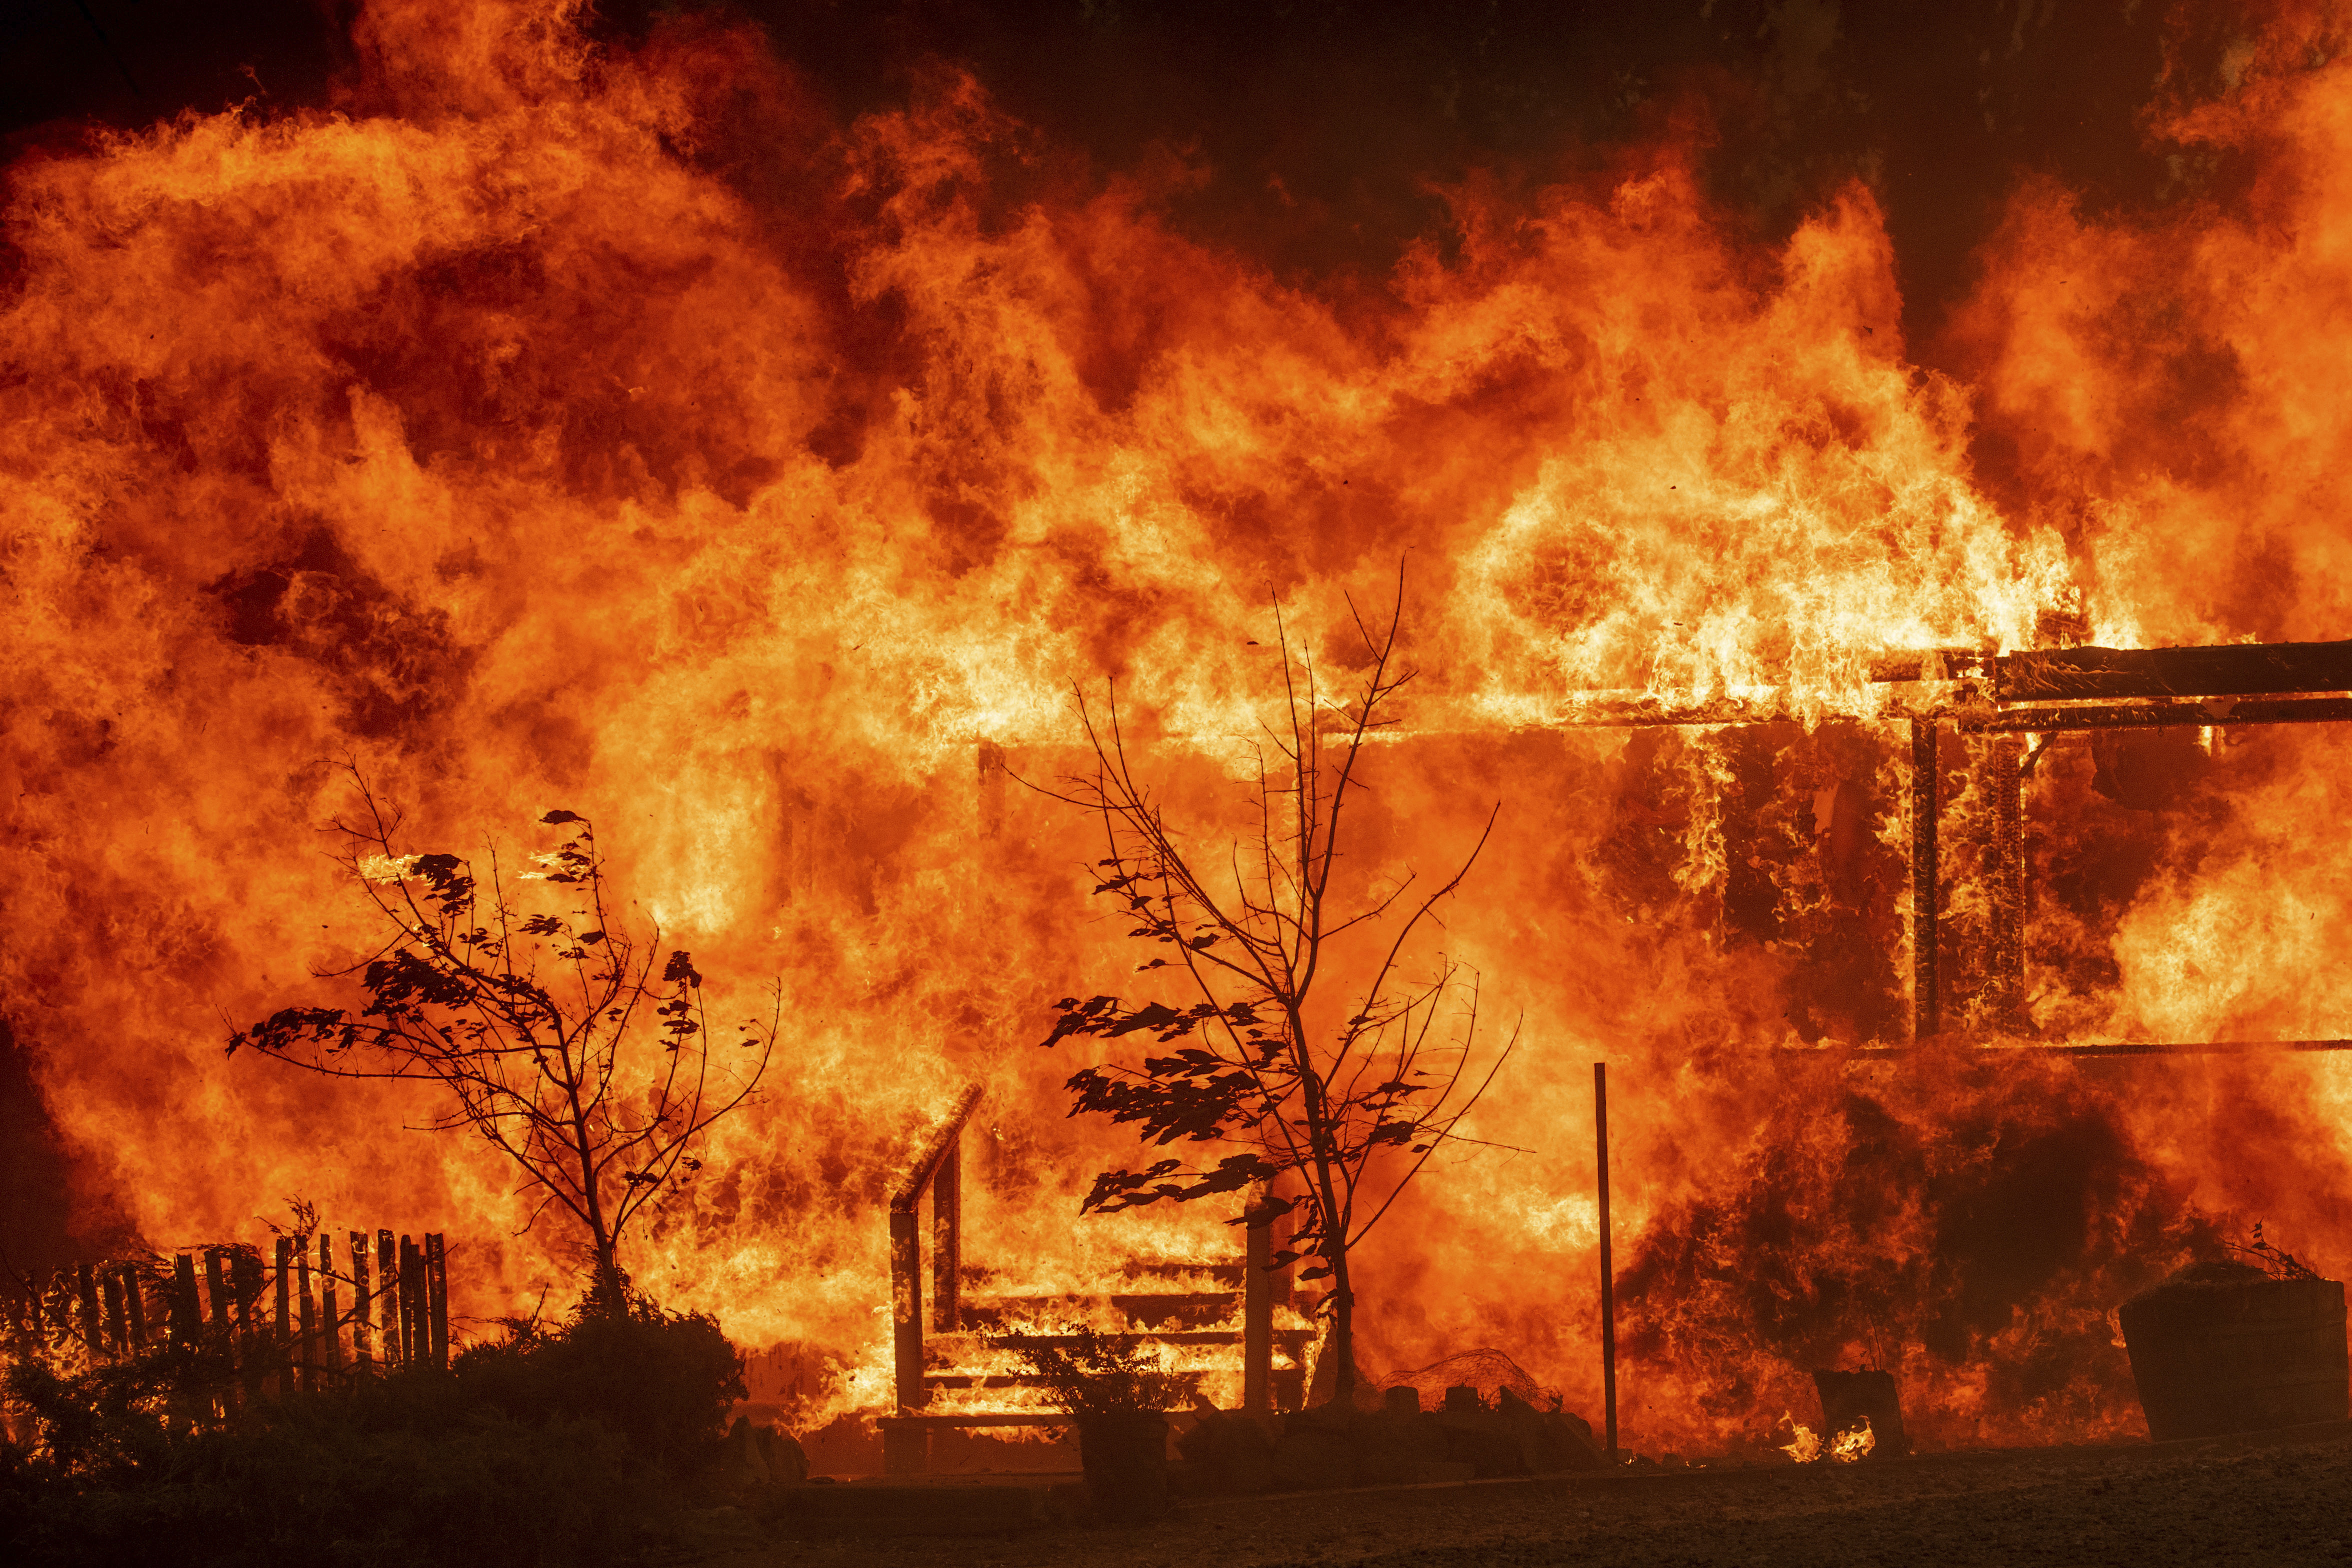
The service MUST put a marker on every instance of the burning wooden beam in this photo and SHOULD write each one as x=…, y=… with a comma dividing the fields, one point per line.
x=2122, y=1048
x=2107, y=675
x=2155, y=716
x=2005, y=775
x=1927, y=1020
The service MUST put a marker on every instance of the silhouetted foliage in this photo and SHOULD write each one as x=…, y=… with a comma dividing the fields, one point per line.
x=547, y=1023
x=557, y=1446
x=1097, y=1374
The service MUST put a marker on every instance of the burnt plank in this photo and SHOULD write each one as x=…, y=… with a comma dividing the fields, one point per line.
x=2093, y=674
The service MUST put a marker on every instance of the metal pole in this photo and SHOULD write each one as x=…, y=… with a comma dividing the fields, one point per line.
x=1608, y=1271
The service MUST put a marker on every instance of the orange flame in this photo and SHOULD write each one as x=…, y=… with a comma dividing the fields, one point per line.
x=498, y=432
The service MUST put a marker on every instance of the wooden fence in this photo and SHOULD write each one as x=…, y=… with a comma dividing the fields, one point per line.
x=283, y=1318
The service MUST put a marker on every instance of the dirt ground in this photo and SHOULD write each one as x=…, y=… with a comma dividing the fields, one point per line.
x=2281, y=1500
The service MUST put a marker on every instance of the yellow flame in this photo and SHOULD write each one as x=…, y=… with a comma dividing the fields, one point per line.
x=1854, y=1444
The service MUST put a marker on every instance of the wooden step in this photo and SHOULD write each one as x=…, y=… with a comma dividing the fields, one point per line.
x=1145, y=1310
x=1226, y=1272
x=949, y=1343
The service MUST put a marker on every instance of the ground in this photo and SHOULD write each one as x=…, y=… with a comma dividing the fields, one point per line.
x=2280, y=1500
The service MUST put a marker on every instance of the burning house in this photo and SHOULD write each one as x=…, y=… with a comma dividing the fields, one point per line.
x=1918, y=762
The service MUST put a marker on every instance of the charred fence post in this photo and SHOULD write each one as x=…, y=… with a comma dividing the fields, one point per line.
x=135, y=1307
x=326, y=1304
x=306, y=1360
x=187, y=1319
x=86, y=1294
x=252, y=1329
x=412, y=1302
x=281, y=1339
x=387, y=1300
x=217, y=1313
x=1925, y=767
x=363, y=1351
x=436, y=1310
x=118, y=1330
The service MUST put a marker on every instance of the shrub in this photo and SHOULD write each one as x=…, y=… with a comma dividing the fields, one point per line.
x=553, y=1448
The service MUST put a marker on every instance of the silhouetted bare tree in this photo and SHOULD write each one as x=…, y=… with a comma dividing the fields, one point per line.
x=1252, y=926
x=565, y=1042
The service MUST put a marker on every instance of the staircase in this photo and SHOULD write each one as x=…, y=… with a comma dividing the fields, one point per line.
x=1220, y=1315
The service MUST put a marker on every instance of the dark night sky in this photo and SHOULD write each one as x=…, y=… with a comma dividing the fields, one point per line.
x=1327, y=120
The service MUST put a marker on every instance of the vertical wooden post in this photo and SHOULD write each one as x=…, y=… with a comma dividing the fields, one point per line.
x=2007, y=778
x=134, y=1303
x=244, y=1287
x=363, y=1307
x=281, y=1360
x=412, y=1343
x=118, y=1332
x=947, y=1239
x=1257, y=1302
x=1927, y=1020
x=1608, y=1266
x=187, y=1319
x=436, y=1285
x=328, y=1320
x=86, y=1292
x=215, y=1293
x=387, y=1299
x=907, y=1310
x=306, y=1359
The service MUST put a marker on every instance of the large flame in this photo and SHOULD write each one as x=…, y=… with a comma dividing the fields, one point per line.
x=611, y=429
